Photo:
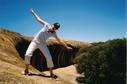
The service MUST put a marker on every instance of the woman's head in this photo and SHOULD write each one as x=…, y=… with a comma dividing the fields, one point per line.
x=55, y=26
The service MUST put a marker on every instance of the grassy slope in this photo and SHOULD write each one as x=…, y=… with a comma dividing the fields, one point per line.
x=11, y=64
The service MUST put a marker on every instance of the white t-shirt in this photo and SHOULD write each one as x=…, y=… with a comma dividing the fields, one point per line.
x=43, y=34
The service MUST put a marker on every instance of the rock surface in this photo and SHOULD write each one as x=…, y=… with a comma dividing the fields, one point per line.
x=12, y=50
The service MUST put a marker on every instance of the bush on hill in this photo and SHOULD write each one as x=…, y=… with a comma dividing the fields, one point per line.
x=102, y=63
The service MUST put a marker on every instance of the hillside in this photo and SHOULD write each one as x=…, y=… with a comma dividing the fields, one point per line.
x=12, y=50
x=103, y=62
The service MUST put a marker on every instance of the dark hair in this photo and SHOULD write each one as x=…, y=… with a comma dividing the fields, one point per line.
x=57, y=25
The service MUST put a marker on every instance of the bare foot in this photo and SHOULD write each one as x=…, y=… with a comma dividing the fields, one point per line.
x=53, y=76
x=25, y=72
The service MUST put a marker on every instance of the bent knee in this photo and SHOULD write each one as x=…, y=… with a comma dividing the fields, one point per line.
x=27, y=59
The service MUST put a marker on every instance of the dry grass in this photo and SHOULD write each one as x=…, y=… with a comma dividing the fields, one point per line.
x=11, y=64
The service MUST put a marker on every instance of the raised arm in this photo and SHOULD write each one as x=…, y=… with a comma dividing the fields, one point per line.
x=62, y=42
x=37, y=17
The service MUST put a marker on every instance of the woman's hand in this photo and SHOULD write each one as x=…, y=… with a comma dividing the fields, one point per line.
x=31, y=10
x=69, y=48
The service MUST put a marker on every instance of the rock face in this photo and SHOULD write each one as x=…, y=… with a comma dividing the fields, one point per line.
x=61, y=56
x=13, y=47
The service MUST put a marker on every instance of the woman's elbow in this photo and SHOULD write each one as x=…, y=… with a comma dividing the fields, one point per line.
x=38, y=19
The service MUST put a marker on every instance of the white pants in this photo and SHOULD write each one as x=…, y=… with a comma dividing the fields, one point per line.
x=44, y=50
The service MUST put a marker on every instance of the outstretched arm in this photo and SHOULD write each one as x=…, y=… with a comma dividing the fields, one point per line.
x=37, y=17
x=62, y=42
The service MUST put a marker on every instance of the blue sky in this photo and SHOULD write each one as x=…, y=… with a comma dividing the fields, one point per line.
x=82, y=20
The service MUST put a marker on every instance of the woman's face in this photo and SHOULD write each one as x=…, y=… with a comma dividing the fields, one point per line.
x=53, y=28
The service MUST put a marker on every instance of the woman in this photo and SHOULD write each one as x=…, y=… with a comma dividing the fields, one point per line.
x=39, y=41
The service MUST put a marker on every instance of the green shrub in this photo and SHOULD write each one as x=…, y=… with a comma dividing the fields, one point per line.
x=103, y=63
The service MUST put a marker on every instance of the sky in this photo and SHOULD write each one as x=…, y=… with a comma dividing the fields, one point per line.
x=81, y=20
